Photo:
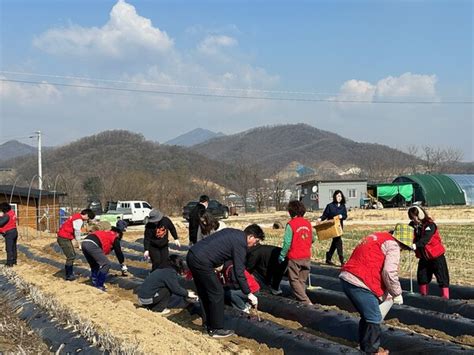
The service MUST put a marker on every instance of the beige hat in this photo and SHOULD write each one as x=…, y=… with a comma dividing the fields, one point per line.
x=104, y=226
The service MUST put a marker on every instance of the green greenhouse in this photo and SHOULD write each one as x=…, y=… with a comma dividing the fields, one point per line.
x=434, y=189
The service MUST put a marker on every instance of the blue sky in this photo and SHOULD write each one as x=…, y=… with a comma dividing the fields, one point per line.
x=367, y=51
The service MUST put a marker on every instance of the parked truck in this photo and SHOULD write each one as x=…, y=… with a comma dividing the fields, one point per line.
x=133, y=212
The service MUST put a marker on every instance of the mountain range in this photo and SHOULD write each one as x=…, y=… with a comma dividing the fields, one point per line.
x=12, y=149
x=196, y=136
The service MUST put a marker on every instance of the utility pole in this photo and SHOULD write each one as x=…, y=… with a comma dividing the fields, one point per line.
x=40, y=167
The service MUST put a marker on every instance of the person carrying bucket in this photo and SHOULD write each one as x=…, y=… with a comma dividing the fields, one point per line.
x=370, y=280
x=429, y=249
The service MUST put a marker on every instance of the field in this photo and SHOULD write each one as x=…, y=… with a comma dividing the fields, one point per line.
x=113, y=321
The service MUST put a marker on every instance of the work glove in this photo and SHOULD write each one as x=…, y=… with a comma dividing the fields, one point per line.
x=252, y=299
x=146, y=255
x=413, y=246
x=124, y=269
x=177, y=243
x=281, y=259
x=398, y=299
x=192, y=294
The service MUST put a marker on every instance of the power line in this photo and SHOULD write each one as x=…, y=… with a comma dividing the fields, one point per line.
x=148, y=83
x=174, y=93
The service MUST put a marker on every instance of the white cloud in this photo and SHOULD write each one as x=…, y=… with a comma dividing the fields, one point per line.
x=406, y=87
x=211, y=44
x=122, y=35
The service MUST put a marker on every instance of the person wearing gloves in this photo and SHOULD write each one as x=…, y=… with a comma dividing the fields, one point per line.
x=297, y=243
x=232, y=292
x=156, y=239
x=156, y=290
x=212, y=252
x=96, y=246
x=370, y=281
x=70, y=231
x=335, y=209
x=9, y=232
x=429, y=249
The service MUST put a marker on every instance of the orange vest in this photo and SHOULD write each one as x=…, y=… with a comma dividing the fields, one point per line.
x=367, y=259
x=11, y=224
x=67, y=229
x=107, y=239
x=302, y=238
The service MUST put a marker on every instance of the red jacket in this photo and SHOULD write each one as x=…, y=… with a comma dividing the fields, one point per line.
x=433, y=249
x=11, y=224
x=67, y=229
x=107, y=239
x=302, y=238
x=367, y=261
x=229, y=279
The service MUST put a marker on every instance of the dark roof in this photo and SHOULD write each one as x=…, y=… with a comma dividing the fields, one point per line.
x=23, y=192
x=320, y=181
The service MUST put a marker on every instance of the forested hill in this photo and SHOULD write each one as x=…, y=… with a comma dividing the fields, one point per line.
x=276, y=146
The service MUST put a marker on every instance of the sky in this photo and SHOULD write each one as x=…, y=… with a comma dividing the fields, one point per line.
x=398, y=73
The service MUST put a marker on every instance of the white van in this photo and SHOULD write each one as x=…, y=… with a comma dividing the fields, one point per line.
x=135, y=212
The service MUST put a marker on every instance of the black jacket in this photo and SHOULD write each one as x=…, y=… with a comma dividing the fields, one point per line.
x=151, y=241
x=332, y=210
x=194, y=217
x=262, y=258
x=226, y=244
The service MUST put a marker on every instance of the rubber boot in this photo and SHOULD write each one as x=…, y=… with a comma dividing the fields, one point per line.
x=423, y=289
x=101, y=276
x=94, y=277
x=445, y=292
x=328, y=259
x=70, y=273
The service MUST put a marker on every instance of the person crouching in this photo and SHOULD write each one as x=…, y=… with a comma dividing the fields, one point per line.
x=96, y=246
x=155, y=292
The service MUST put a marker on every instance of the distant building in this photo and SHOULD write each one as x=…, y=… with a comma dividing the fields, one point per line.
x=316, y=194
x=37, y=209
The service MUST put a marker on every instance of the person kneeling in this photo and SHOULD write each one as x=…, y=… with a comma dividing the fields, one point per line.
x=155, y=292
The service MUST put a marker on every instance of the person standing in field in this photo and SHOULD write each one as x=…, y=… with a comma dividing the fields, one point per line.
x=208, y=224
x=156, y=239
x=195, y=216
x=9, y=232
x=297, y=243
x=70, y=231
x=337, y=208
x=212, y=252
x=429, y=249
x=370, y=281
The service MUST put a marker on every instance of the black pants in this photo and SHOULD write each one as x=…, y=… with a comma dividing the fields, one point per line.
x=95, y=257
x=275, y=273
x=210, y=292
x=336, y=244
x=159, y=257
x=161, y=301
x=11, y=238
x=437, y=267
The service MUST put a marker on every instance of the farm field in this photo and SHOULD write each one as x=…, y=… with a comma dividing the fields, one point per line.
x=113, y=321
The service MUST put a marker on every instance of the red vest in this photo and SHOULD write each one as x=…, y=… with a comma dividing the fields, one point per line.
x=433, y=249
x=302, y=238
x=67, y=229
x=107, y=239
x=229, y=279
x=11, y=224
x=367, y=259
